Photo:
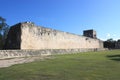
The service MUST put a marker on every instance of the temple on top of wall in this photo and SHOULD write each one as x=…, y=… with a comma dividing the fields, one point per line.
x=29, y=36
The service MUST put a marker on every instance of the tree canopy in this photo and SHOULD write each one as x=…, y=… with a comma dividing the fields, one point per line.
x=4, y=28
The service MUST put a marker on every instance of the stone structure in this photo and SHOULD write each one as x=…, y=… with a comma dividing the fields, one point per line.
x=90, y=33
x=42, y=52
x=29, y=36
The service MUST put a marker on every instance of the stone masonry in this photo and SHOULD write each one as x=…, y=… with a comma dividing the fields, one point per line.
x=29, y=36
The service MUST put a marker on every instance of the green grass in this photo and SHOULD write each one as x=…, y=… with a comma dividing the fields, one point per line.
x=103, y=65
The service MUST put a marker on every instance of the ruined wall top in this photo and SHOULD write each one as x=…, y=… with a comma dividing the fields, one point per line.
x=90, y=33
x=86, y=33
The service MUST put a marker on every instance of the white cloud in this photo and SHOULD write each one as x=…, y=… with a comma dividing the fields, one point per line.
x=114, y=35
x=108, y=35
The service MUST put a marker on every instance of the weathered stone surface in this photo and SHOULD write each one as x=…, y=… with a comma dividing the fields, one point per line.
x=90, y=33
x=14, y=37
x=30, y=36
x=43, y=52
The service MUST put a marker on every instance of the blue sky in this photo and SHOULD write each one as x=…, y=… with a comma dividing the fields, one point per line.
x=72, y=16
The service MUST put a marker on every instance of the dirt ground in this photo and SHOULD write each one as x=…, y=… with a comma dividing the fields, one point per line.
x=12, y=61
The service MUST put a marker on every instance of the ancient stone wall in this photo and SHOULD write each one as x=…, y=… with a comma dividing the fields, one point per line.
x=33, y=37
x=38, y=41
x=13, y=38
x=43, y=52
x=30, y=36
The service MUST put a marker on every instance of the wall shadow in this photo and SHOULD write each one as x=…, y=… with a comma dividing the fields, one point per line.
x=114, y=57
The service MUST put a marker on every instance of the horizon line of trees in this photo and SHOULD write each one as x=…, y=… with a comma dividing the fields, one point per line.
x=111, y=44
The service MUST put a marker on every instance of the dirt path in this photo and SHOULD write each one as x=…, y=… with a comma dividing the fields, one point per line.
x=10, y=62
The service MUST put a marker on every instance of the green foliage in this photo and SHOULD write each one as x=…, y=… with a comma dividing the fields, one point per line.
x=2, y=22
x=118, y=40
x=110, y=43
x=110, y=40
x=4, y=28
x=102, y=65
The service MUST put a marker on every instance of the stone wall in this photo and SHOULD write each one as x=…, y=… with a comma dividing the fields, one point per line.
x=43, y=52
x=34, y=37
x=13, y=38
x=30, y=36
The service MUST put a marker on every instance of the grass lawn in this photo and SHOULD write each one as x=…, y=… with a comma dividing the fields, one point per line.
x=103, y=65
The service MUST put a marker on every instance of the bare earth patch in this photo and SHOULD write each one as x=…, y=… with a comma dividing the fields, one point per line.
x=12, y=61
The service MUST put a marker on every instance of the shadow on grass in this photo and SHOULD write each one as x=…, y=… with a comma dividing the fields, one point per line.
x=114, y=57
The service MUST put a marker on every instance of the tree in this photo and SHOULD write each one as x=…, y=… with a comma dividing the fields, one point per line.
x=4, y=28
x=118, y=40
x=110, y=40
x=110, y=43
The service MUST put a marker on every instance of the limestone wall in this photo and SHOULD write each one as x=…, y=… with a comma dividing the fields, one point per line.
x=33, y=37
x=43, y=52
